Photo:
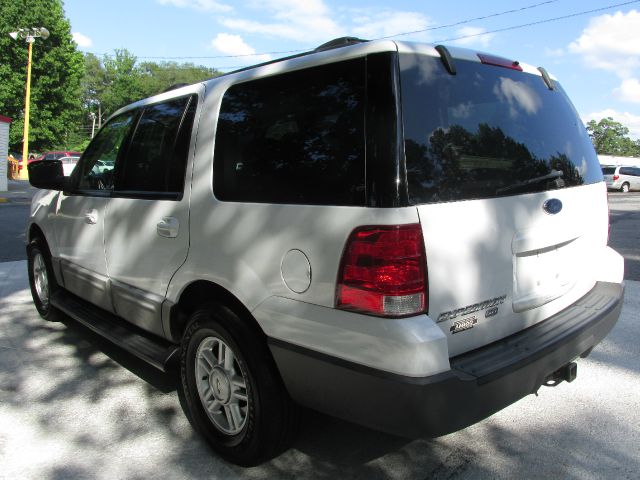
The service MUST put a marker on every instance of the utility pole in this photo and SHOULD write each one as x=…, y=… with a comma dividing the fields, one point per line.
x=29, y=35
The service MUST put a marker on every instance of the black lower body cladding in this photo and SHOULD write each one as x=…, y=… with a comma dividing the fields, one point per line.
x=480, y=382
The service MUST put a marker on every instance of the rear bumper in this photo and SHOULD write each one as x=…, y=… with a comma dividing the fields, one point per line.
x=479, y=383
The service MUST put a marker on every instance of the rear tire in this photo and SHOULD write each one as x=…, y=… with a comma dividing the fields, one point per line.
x=42, y=281
x=234, y=395
x=625, y=188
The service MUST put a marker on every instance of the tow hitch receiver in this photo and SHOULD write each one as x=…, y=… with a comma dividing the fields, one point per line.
x=568, y=372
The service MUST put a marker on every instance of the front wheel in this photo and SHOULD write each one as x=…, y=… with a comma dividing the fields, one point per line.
x=41, y=280
x=234, y=395
x=625, y=188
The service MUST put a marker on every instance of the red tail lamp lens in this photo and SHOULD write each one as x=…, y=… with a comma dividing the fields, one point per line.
x=383, y=271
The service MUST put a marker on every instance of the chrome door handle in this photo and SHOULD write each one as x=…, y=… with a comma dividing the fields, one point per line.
x=91, y=217
x=168, y=227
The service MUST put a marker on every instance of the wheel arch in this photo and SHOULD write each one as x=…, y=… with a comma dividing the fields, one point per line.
x=36, y=231
x=201, y=292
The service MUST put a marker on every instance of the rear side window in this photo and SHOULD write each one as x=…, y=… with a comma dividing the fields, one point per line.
x=294, y=138
x=488, y=132
x=156, y=156
x=630, y=171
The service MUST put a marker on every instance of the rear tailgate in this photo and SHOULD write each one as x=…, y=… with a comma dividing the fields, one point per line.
x=498, y=266
x=508, y=188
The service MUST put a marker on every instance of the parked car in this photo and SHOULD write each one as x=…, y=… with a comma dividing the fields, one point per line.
x=405, y=236
x=55, y=155
x=68, y=164
x=620, y=178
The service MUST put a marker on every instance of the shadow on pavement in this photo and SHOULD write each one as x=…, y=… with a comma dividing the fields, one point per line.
x=74, y=406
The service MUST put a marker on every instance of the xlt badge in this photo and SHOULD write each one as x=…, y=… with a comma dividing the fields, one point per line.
x=462, y=325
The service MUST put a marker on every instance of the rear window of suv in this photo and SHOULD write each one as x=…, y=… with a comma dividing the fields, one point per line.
x=608, y=170
x=488, y=132
x=294, y=138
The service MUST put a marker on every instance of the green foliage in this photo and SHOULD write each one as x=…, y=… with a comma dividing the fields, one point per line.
x=610, y=138
x=57, y=68
x=120, y=79
x=117, y=80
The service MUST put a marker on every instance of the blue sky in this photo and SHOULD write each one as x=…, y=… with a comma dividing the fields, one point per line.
x=595, y=56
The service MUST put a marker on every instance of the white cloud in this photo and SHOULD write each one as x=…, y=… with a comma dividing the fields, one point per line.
x=82, y=40
x=387, y=23
x=234, y=45
x=302, y=21
x=629, y=120
x=474, y=36
x=554, y=52
x=611, y=42
x=628, y=91
x=207, y=5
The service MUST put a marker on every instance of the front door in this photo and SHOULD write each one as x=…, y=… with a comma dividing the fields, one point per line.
x=80, y=216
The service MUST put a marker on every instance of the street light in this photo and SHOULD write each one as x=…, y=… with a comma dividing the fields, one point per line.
x=28, y=35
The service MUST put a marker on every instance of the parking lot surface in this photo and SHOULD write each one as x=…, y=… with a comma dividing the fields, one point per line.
x=73, y=406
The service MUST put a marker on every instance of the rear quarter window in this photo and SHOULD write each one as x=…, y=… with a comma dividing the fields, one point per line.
x=294, y=138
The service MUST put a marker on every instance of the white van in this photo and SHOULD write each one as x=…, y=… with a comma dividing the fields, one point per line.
x=405, y=236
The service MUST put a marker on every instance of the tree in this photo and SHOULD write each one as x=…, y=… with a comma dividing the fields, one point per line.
x=611, y=138
x=123, y=81
x=57, y=68
x=160, y=76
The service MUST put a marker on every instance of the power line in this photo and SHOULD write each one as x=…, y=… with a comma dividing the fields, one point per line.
x=513, y=27
x=539, y=22
x=462, y=22
x=283, y=52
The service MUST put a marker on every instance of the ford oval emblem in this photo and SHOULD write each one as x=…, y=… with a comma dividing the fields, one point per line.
x=552, y=206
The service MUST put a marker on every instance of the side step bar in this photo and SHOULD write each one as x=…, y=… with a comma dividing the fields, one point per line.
x=157, y=352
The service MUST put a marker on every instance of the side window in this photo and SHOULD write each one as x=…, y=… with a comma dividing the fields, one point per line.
x=294, y=138
x=49, y=156
x=95, y=170
x=156, y=157
x=626, y=171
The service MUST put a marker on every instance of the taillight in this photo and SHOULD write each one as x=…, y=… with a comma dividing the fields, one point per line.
x=616, y=177
x=383, y=271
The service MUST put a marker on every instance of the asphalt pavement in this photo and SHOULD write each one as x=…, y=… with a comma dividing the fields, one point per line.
x=72, y=406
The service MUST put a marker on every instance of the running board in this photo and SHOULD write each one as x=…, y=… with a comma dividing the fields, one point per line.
x=157, y=352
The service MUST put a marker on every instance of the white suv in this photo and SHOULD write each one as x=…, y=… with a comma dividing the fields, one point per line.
x=406, y=237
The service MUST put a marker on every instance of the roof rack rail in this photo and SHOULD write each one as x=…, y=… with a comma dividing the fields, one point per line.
x=175, y=86
x=339, y=43
x=336, y=43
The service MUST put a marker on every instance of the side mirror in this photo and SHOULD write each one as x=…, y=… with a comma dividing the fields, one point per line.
x=48, y=174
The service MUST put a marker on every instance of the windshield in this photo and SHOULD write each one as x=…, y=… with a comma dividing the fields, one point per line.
x=488, y=132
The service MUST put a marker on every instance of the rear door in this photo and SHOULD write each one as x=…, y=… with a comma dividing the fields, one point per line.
x=147, y=219
x=509, y=192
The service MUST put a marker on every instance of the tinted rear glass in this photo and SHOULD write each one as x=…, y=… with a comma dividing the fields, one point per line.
x=608, y=170
x=488, y=132
x=294, y=138
x=628, y=171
